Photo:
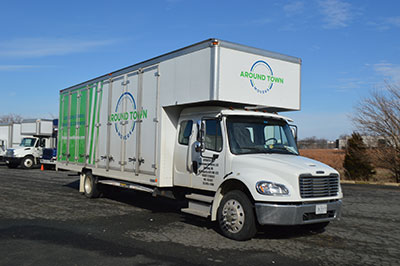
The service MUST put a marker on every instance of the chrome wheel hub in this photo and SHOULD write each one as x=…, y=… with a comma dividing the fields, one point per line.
x=28, y=163
x=88, y=184
x=232, y=216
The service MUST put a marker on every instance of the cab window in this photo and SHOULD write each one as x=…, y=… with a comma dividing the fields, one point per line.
x=185, y=131
x=213, y=138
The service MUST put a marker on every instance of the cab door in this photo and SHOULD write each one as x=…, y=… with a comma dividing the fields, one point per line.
x=211, y=162
x=183, y=169
x=195, y=169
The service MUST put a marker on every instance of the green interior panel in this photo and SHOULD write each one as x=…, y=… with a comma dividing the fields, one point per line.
x=72, y=126
x=63, y=134
x=82, y=126
x=92, y=119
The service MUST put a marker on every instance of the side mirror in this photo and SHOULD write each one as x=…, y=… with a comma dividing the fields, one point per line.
x=201, y=136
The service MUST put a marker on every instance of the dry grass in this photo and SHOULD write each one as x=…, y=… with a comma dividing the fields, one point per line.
x=331, y=157
x=335, y=158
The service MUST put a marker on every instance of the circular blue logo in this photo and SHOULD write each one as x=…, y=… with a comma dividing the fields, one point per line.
x=127, y=117
x=259, y=75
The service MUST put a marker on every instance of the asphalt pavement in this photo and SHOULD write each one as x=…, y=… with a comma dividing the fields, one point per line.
x=44, y=220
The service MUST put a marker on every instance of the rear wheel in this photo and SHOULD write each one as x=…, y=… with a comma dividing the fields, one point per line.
x=28, y=162
x=90, y=186
x=236, y=216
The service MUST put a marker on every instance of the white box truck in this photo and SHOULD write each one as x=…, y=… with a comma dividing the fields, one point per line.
x=201, y=122
x=10, y=136
x=37, y=135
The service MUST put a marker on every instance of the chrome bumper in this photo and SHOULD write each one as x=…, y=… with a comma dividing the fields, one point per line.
x=279, y=214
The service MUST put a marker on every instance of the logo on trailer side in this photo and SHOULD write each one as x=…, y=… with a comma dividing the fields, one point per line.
x=261, y=77
x=126, y=116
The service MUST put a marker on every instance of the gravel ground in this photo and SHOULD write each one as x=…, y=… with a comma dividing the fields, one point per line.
x=44, y=220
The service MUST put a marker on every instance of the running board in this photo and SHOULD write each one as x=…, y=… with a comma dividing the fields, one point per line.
x=199, y=205
x=126, y=185
x=196, y=212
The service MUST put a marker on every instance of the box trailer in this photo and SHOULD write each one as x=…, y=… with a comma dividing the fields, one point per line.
x=10, y=136
x=35, y=135
x=201, y=122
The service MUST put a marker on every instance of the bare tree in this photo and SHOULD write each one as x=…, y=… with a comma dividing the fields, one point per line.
x=10, y=118
x=379, y=115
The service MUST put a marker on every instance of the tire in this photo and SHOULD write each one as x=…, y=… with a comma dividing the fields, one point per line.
x=235, y=216
x=318, y=227
x=12, y=165
x=90, y=186
x=28, y=162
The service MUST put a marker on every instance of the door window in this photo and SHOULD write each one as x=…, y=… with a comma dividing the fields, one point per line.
x=185, y=132
x=213, y=140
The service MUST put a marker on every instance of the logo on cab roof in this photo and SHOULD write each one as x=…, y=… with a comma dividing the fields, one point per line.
x=261, y=77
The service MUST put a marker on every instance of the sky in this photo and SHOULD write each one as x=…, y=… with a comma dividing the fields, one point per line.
x=348, y=48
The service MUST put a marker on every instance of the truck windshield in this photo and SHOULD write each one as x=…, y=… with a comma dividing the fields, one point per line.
x=27, y=142
x=260, y=135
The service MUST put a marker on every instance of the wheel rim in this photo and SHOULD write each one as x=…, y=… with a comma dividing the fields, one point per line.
x=233, y=216
x=28, y=163
x=88, y=184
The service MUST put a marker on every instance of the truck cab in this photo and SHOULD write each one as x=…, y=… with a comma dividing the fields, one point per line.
x=28, y=152
x=37, y=134
x=250, y=159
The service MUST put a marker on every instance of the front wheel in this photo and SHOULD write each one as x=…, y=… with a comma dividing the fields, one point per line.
x=236, y=216
x=90, y=186
x=28, y=162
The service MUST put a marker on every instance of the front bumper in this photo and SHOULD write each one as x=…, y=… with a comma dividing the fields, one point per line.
x=13, y=160
x=279, y=214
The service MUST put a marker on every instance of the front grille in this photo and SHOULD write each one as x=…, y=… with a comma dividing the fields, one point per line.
x=319, y=186
x=10, y=153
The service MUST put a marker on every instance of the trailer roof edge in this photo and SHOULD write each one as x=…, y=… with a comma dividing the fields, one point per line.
x=186, y=50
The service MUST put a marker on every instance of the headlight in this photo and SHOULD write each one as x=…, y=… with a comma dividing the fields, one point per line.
x=271, y=189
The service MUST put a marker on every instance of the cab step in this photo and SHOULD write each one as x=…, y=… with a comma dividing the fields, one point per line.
x=200, y=197
x=196, y=212
x=199, y=205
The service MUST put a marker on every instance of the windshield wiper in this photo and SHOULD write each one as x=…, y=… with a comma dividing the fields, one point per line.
x=286, y=148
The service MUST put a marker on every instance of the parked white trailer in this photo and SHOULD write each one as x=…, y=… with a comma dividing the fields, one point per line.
x=10, y=136
x=37, y=134
x=200, y=122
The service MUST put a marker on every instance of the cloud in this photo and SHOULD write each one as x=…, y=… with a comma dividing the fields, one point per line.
x=16, y=67
x=386, y=23
x=40, y=47
x=293, y=8
x=337, y=13
x=388, y=70
x=346, y=84
x=393, y=21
